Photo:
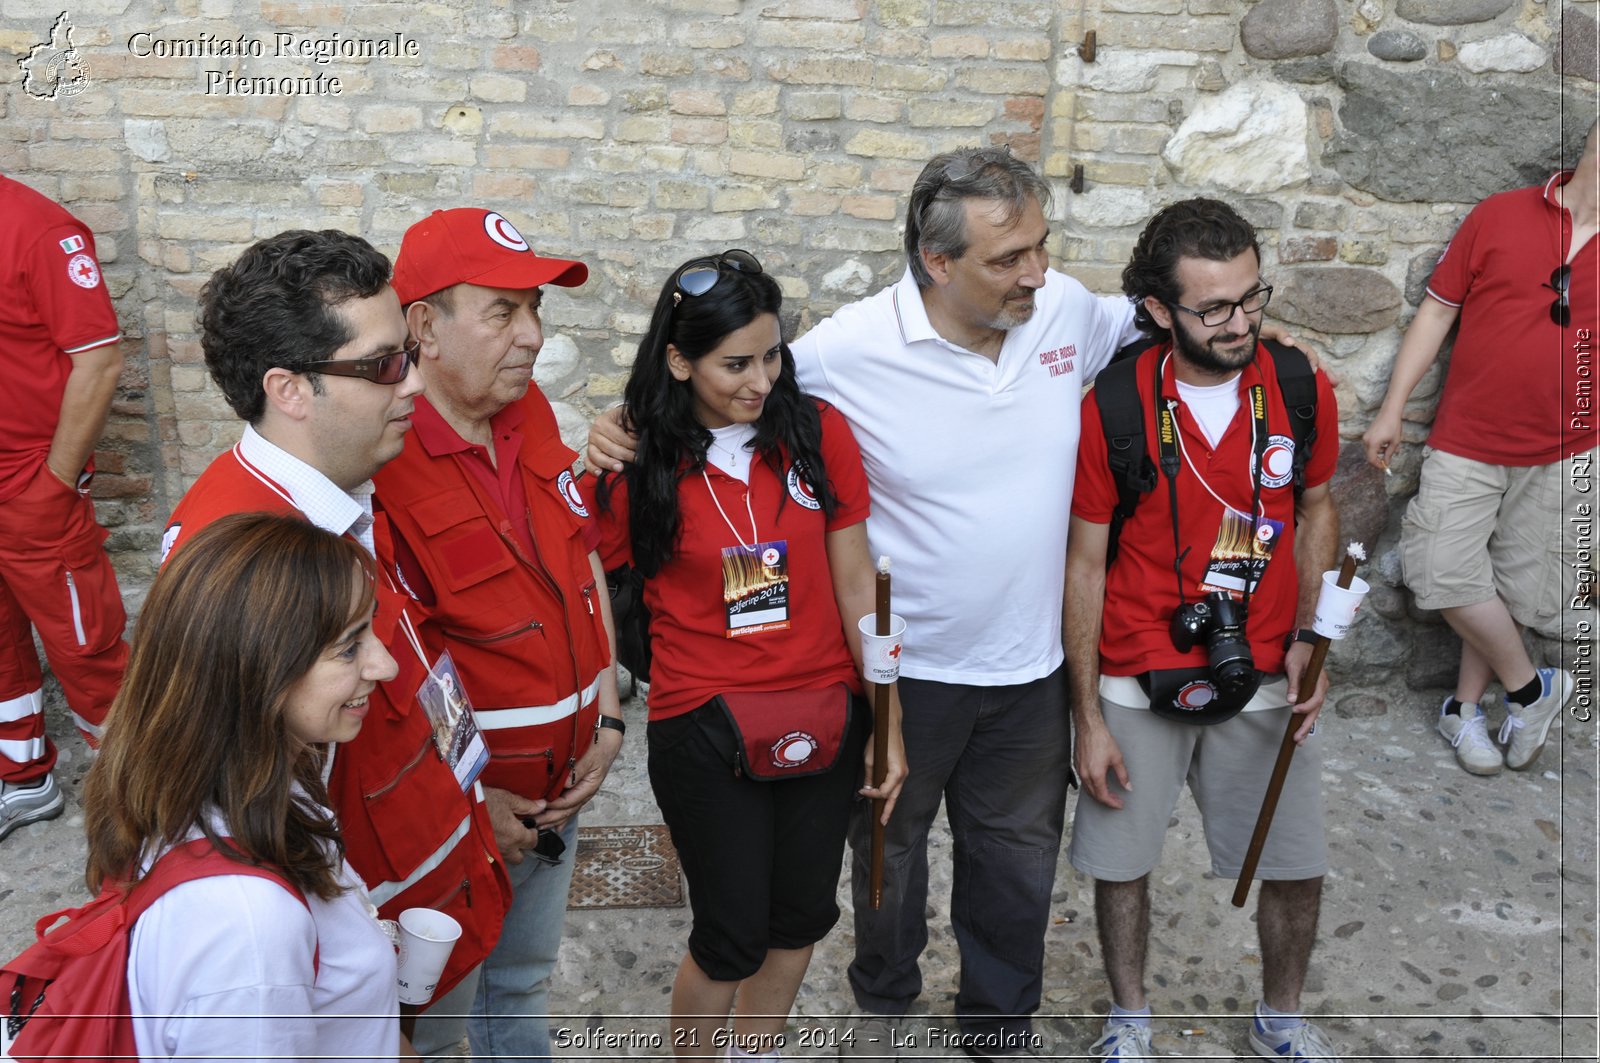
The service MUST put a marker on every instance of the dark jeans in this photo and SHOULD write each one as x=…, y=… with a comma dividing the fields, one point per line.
x=1001, y=758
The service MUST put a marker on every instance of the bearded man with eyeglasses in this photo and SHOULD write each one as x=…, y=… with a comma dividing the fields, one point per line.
x=1522, y=278
x=305, y=338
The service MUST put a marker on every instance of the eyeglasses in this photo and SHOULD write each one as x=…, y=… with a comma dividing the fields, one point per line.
x=1222, y=313
x=388, y=368
x=1560, y=310
x=701, y=275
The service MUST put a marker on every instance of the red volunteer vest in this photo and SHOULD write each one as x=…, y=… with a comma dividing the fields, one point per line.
x=525, y=631
x=413, y=836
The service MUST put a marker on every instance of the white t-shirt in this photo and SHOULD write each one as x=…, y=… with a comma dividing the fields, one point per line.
x=971, y=463
x=223, y=968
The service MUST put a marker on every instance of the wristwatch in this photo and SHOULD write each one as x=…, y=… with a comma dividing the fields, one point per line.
x=616, y=723
x=1304, y=634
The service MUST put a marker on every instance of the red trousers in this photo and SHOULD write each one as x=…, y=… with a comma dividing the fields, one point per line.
x=55, y=578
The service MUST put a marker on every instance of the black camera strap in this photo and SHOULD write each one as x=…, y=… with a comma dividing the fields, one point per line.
x=1172, y=463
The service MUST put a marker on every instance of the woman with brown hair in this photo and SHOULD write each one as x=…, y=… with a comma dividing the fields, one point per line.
x=253, y=655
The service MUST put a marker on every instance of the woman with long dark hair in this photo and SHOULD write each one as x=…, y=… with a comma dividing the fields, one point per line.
x=744, y=512
x=253, y=653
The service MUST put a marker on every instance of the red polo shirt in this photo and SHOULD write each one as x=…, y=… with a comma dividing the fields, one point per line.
x=55, y=306
x=1141, y=592
x=1512, y=379
x=693, y=659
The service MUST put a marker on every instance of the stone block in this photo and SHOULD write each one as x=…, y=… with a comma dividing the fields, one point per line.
x=880, y=208
x=865, y=107
x=766, y=164
x=950, y=113
x=666, y=64
x=812, y=204
x=1020, y=14
x=696, y=102
x=960, y=46
x=1197, y=34
x=893, y=77
x=714, y=228
x=1419, y=270
x=755, y=133
x=681, y=195
x=1005, y=81
x=1506, y=53
x=1391, y=117
x=1284, y=29
x=523, y=57
x=499, y=88
x=1121, y=69
x=1307, y=249
x=1397, y=46
x=1580, y=45
x=1336, y=299
x=382, y=118
x=699, y=130
x=905, y=12
x=756, y=102
x=813, y=36
x=1450, y=12
x=857, y=72
x=1359, y=489
x=1251, y=138
x=1364, y=252
x=1310, y=214
x=878, y=143
x=837, y=10
x=742, y=198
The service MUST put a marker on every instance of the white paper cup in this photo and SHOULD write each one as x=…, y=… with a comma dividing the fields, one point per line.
x=1336, y=605
x=426, y=939
x=880, y=654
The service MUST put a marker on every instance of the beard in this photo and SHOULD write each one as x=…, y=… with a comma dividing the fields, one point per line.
x=1211, y=356
x=1014, y=312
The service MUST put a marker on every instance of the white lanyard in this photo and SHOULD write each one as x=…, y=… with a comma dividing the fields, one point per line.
x=755, y=536
x=1172, y=404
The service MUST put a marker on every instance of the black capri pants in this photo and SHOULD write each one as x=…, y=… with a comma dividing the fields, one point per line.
x=762, y=859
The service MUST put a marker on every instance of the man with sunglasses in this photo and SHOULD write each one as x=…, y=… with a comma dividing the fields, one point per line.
x=305, y=338
x=1522, y=277
x=493, y=535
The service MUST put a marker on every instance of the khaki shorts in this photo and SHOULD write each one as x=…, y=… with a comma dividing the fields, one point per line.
x=1476, y=531
x=1227, y=767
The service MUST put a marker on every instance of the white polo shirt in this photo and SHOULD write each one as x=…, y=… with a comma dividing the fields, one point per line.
x=970, y=462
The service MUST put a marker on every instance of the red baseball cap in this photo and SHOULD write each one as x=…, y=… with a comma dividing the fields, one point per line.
x=469, y=245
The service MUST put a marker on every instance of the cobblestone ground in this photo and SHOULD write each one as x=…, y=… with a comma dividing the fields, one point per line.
x=1459, y=919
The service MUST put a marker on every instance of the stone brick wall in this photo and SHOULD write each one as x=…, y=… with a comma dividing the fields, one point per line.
x=633, y=134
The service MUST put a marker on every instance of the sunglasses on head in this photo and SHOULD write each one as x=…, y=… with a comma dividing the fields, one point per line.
x=390, y=367
x=1560, y=281
x=700, y=276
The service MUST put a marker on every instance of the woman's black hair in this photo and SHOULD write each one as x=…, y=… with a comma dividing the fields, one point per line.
x=660, y=409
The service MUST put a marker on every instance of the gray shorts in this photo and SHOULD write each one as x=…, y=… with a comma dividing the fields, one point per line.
x=1476, y=531
x=1227, y=767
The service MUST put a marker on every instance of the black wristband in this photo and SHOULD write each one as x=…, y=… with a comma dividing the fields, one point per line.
x=616, y=723
x=1304, y=634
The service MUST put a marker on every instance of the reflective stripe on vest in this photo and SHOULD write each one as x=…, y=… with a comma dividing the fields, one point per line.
x=384, y=892
x=534, y=715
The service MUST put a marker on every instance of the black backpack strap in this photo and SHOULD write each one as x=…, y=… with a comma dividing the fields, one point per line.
x=1297, y=383
x=1116, y=393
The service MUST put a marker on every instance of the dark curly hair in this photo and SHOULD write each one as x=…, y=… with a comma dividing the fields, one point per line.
x=660, y=409
x=1189, y=228
x=273, y=308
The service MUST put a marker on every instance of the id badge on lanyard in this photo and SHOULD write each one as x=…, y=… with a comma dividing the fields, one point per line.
x=1238, y=559
x=755, y=588
x=455, y=730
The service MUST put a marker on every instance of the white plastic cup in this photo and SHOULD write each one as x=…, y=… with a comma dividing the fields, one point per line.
x=426, y=940
x=1336, y=605
x=880, y=654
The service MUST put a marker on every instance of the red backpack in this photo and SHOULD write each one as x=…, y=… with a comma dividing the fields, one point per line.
x=66, y=996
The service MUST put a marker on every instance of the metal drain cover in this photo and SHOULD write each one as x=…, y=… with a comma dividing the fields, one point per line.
x=626, y=867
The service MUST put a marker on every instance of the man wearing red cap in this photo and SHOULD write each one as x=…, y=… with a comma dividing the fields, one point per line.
x=492, y=534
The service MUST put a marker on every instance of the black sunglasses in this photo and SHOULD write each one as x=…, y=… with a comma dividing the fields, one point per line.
x=388, y=368
x=701, y=275
x=1560, y=311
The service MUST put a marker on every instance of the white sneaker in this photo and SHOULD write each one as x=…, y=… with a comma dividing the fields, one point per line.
x=1303, y=1044
x=1124, y=1041
x=29, y=804
x=1527, y=726
x=1475, y=751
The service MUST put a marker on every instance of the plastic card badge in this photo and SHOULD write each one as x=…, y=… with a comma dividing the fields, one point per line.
x=755, y=587
x=455, y=730
x=1239, y=558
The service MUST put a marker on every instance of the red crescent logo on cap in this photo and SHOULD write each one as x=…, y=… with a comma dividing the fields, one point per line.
x=503, y=232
